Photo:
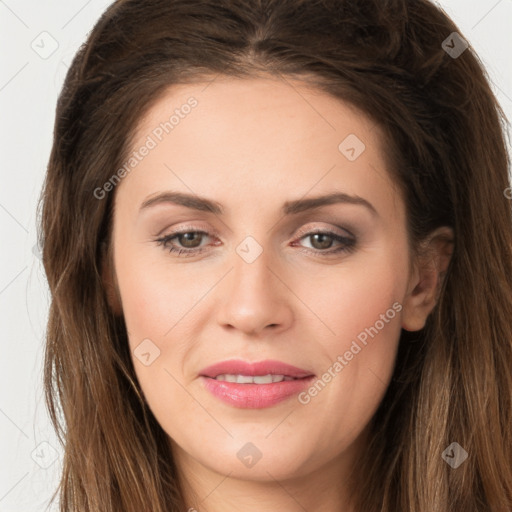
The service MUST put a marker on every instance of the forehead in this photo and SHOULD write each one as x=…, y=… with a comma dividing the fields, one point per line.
x=258, y=105
x=261, y=134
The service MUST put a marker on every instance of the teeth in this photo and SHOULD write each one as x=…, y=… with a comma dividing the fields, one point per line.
x=242, y=379
x=249, y=379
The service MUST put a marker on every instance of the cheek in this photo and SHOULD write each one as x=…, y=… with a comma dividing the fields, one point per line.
x=154, y=296
x=155, y=306
x=361, y=306
x=160, y=305
x=357, y=296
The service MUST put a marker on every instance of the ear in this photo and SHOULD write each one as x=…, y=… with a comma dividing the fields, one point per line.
x=109, y=279
x=426, y=278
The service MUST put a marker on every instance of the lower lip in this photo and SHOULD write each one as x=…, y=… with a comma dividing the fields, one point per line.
x=255, y=396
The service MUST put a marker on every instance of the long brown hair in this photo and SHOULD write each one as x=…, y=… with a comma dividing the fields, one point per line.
x=447, y=153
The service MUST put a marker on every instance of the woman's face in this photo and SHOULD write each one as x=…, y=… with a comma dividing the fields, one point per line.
x=242, y=166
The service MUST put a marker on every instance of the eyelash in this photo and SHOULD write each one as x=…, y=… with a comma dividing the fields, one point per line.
x=349, y=243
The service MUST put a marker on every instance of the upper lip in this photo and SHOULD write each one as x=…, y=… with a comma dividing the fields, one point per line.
x=239, y=367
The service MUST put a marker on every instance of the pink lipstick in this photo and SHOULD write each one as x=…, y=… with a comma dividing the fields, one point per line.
x=254, y=385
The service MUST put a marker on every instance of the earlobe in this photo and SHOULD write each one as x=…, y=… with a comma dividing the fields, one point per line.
x=427, y=278
x=109, y=280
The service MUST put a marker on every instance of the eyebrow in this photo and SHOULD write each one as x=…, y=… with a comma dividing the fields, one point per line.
x=195, y=202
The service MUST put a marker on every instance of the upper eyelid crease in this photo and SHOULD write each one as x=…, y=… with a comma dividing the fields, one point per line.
x=289, y=208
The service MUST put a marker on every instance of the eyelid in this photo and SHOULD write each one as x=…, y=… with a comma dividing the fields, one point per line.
x=308, y=231
x=185, y=228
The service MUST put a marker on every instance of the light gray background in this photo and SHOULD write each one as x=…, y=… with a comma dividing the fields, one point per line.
x=30, y=80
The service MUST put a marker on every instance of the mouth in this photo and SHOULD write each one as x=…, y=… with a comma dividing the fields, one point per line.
x=254, y=385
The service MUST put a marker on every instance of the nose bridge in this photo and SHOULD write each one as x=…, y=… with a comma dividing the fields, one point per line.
x=251, y=272
x=253, y=297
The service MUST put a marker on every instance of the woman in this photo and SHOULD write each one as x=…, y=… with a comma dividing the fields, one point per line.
x=278, y=241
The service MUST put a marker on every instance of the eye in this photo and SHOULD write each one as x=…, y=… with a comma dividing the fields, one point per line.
x=189, y=240
x=322, y=240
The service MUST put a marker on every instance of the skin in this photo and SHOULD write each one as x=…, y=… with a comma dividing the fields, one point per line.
x=251, y=145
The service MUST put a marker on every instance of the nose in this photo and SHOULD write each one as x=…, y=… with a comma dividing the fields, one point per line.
x=254, y=298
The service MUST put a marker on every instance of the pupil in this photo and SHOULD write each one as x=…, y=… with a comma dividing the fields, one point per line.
x=325, y=241
x=189, y=237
